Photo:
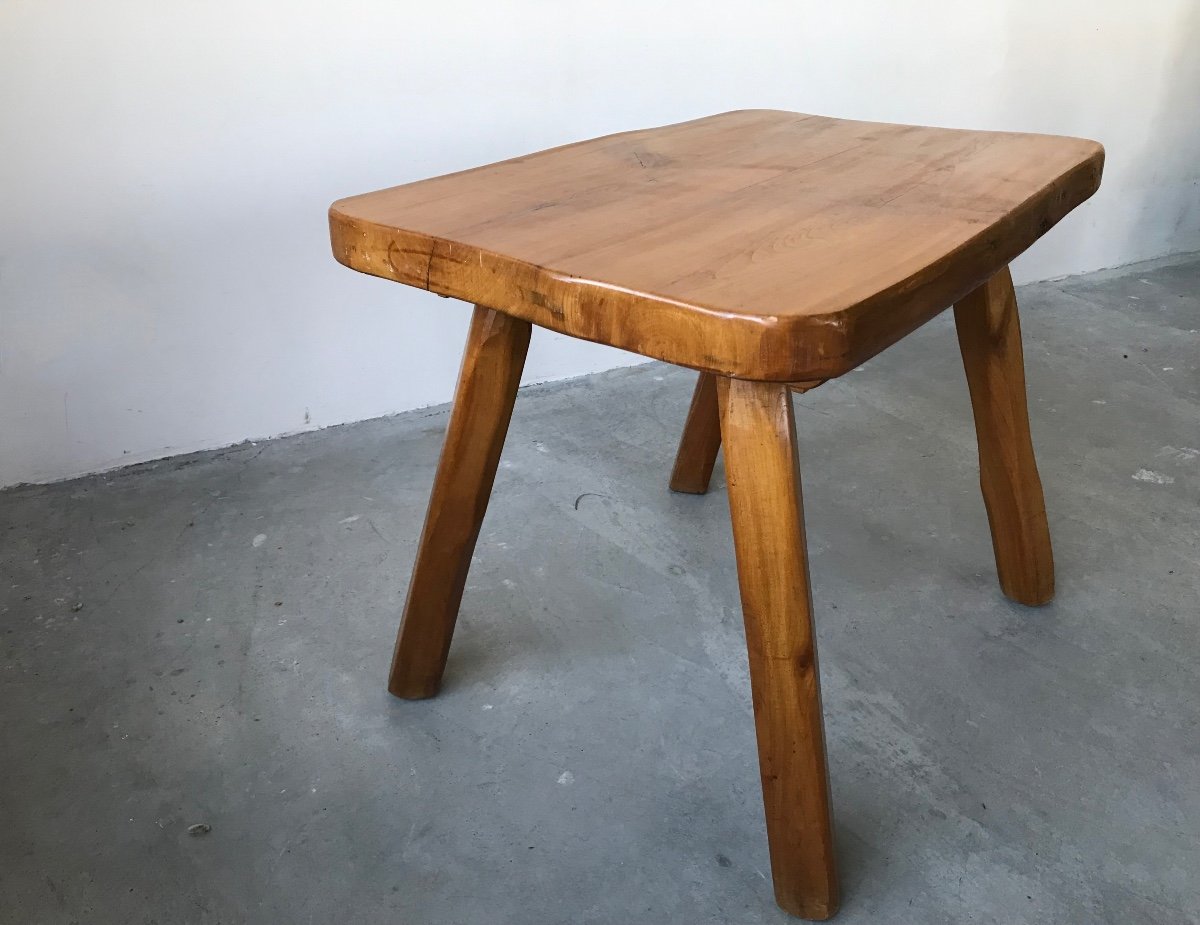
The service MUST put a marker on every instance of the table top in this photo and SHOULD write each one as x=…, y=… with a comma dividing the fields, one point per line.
x=758, y=244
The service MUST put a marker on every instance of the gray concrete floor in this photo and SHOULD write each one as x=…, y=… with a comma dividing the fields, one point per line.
x=205, y=640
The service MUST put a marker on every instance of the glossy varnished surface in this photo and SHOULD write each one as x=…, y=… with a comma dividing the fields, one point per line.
x=483, y=403
x=989, y=334
x=758, y=244
x=767, y=510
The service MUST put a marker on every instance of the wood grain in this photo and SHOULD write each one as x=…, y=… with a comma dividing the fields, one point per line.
x=763, y=476
x=770, y=251
x=989, y=334
x=483, y=403
x=701, y=440
x=757, y=244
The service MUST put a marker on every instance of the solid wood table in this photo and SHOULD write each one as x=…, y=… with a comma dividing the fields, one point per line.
x=770, y=251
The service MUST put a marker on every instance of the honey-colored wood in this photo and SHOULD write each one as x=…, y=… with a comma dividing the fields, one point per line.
x=701, y=440
x=763, y=476
x=483, y=403
x=758, y=244
x=770, y=251
x=989, y=334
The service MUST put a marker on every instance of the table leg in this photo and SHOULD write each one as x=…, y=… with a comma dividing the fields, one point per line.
x=763, y=478
x=989, y=334
x=483, y=403
x=700, y=441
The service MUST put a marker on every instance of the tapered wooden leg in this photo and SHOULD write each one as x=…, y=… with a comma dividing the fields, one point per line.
x=989, y=333
x=701, y=440
x=763, y=478
x=483, y=403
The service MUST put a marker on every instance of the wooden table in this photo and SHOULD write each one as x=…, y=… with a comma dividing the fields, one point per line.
x=770, y=251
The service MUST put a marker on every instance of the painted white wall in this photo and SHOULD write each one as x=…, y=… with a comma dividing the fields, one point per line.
x=165, y=277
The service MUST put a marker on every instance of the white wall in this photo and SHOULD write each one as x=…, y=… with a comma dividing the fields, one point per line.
x=165, y=277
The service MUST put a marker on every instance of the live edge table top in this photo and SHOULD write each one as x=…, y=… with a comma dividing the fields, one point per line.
x=756, y=244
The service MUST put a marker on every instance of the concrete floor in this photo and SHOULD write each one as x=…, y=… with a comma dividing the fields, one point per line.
x=205, y=640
